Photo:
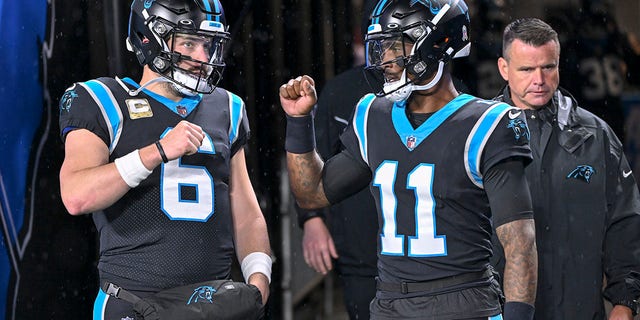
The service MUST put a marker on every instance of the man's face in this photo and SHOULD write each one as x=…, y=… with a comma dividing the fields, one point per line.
x=387, y=55
x=532, y=73
x=196, y=47
x=395, y=52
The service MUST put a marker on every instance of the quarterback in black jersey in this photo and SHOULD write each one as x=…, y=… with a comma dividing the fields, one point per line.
x=160, y=165
x=444, y=168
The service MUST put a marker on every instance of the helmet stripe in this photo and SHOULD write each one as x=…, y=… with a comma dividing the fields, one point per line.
x=207, y=7
x=441, y=14
x=378, y=10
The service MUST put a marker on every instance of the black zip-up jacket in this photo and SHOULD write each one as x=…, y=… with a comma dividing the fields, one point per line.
x=587, y=211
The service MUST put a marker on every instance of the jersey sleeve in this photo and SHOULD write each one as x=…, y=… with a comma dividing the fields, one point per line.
x=354, y=138
x=239, y=131
x=509, y=139
x=79, y=110
x=508, y=192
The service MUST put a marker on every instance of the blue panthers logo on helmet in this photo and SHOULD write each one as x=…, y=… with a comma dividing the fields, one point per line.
x=433, y=7
x=202, y=294
x=67, y=100
x=582, y=172
x=519, y=128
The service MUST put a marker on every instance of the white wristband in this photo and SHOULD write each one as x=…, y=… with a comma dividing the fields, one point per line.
x=131, y=168
x=256, y=262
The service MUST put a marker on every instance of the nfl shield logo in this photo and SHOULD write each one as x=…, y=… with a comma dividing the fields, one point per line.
x=411, y=142
x=182, y=110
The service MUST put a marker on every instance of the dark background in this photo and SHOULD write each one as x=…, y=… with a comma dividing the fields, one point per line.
x=272, y=41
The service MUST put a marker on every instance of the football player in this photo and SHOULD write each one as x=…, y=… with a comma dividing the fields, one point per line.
x=443, y=167
x=159, y=163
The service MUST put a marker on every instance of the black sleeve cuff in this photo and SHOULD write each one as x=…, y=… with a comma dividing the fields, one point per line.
x=304, y=215
x=514, y=310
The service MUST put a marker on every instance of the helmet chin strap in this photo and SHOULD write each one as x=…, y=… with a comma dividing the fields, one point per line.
x=134, y=93
x=202, y=85
x=401, y=90
x=177, y=87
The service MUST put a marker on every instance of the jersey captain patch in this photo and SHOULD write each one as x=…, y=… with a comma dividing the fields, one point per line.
x=139, y=108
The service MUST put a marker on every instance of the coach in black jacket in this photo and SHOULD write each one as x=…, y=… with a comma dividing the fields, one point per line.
x=585, y=198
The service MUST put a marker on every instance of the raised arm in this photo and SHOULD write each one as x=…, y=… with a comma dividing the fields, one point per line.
x=298, y=97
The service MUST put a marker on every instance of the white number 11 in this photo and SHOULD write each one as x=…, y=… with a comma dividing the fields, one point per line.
x=426, y=242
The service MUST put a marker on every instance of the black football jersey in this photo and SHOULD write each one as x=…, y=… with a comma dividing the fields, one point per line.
x=434, y=215
x=175, y=227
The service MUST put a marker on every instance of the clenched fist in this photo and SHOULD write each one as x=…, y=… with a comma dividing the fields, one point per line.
x=184, y=139
x=298, y=96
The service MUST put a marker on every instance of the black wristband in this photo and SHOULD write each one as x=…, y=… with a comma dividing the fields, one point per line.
x=304, y=215
x=514, y=310
x=300, y=136
x=161, y=151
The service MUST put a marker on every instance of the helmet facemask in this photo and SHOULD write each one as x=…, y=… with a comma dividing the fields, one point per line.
x=398, y=47
x=181, y=58
x=429, y=37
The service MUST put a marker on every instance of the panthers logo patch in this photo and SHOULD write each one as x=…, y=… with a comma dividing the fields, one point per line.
x=582, y=172
x=67, y=100
x=202, y=294
x=519, y=128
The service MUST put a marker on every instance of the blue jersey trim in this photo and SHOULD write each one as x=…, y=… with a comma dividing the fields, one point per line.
x=478, y=138
x=405, y=130
x=360, y=123
x=236, y=105
x=109, y=107
x=99, y=305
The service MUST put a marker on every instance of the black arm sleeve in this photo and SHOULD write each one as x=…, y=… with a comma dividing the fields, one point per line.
x=508, y=192
x=343, y=175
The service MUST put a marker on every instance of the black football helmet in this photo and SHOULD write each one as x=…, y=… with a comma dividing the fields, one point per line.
x=435, y=30
x=155, y=26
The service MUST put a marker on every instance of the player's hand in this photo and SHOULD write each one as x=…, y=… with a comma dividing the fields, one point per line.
x=260, y=280
x=620, y=312
x=298, y=96
x=184, y=139
x=317, y=246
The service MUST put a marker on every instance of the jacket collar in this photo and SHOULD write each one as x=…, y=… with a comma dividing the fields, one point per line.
x=561, y=110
